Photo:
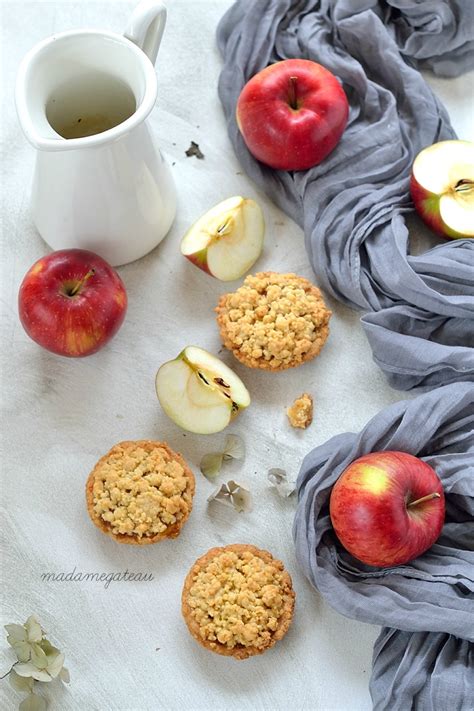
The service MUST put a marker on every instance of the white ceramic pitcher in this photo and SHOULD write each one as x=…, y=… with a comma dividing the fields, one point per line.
x=100, y=182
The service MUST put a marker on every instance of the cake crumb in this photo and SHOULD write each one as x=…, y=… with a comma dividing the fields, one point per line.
x=300, y=414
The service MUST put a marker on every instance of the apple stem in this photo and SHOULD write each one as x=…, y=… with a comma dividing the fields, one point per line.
x=292, y=92
x=81, y=283
x=428, y=497
x=463, y=186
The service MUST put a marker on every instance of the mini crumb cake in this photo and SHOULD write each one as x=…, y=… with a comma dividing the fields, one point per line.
x=274, y=321
x=238, y=600
x=300, y=414
x=140, y=492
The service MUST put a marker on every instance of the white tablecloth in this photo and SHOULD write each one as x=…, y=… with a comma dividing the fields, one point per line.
x=61, y=415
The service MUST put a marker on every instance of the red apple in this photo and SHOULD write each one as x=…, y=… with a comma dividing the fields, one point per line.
x=442, y=188
x=387, y=508
x=292, y=114
x=72, y=302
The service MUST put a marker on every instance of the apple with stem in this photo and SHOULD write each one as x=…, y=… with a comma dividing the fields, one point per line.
x=72, y=302
x=227, y=240
x=292, y=114
x=199, y=392
x=387, y=508
x=442, y=188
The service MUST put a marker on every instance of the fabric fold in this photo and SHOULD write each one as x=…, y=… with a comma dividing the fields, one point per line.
x=432, y=597
x=353, y=206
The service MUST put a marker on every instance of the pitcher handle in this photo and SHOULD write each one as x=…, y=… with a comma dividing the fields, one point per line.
x=146, y=26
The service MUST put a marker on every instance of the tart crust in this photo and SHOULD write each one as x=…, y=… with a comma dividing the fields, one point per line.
x=274, y=321
x=99, y=496
x=300, y=414
x=284, y=591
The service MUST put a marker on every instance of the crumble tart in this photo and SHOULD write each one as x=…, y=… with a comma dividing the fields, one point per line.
x=238, y=600
x=140, y=492
x=274, y=321
x=300, y=414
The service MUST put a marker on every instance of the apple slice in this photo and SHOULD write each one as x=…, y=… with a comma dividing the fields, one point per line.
x=227, y=240
x=199, y=392
x=442, y=187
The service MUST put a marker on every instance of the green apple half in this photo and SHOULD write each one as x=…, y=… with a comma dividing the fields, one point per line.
x=199, y=392
x=227, y=240
x=442, y=187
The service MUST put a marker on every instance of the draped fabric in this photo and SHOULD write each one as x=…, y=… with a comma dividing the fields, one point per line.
x=425, y=653
x=419, y=308
x=418, y=311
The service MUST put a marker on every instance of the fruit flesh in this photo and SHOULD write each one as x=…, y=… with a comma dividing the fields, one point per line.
x=199, y=392
x=442, y=187
x=227, y=240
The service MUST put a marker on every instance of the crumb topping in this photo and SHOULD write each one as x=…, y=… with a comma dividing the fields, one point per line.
x=239, y=598
x=274, y=320
x=300, y=414
x=141, y=491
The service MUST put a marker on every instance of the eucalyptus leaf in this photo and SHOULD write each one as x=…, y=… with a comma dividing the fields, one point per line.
x=33, y=702
x=16, y=633
x=33, y=629
x=211, y=464
x=234, y=447
x=55, y=666
x=28, y=669
x=20, y=683
x=64, y=675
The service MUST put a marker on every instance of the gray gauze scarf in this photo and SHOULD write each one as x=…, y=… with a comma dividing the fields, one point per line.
x=424, y=656
x=420, y=320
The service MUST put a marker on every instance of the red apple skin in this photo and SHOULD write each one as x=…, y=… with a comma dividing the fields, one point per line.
x=72, y=325
x=427, y=206
x=368, y=508
x=288, y=138
x=199, y=259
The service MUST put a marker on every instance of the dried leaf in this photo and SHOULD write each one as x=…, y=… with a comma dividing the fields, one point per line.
x=22, y=650
x=20, y=683
x=234, y=447
x=38, y=657
x=55, y=665
x=64, y=675
x=211, y=464
x=16, y=633
x=233, y=494
x=33, y=702
x=48, y=648
x=29, y=670
x=194, y=150
x=279, y=480
x=33, y=629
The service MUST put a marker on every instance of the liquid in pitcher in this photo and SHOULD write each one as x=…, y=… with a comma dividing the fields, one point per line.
x=89, y=104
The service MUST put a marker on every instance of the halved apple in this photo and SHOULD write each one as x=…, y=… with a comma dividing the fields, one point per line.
x=227, y=240
x=199, y=392
x=442, y=187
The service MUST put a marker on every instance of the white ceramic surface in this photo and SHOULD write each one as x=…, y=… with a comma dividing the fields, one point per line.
x=60, y=415
x=111, y=192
